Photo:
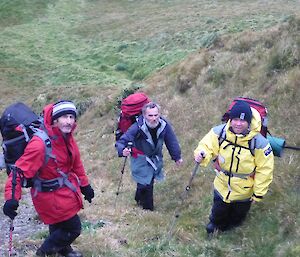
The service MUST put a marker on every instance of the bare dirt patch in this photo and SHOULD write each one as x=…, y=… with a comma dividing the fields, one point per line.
x=26, y=227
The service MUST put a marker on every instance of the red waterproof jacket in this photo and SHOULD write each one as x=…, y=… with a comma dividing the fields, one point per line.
x=63, y=203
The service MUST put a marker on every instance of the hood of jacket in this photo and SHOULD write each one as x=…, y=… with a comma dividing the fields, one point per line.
x=47, y=114
x=255, y=128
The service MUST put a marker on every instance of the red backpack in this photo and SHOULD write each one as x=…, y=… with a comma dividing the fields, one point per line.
x=131, y=108
x=260, y=107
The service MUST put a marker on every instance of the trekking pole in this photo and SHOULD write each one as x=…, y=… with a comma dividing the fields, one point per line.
x=297, y=148
x=11, y=226
x=129, y=145
x=11, y=229
x=182, y=197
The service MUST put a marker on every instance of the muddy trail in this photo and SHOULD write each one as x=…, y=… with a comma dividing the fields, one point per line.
x=26, y=228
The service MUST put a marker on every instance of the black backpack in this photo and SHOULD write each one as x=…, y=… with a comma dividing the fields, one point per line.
x=18, y=124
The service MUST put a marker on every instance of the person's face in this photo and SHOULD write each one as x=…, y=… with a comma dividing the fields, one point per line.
x=152, y=117
x=239, y=126
x=65, y=123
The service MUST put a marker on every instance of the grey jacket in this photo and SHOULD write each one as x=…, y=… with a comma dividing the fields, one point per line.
x=146, y=158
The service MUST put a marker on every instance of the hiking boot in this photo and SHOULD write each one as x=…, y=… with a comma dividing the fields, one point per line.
x=74, y=254
x=211, y=228
x=40, y=252
x=148, y=208
x=138, y=203
x=69, y=252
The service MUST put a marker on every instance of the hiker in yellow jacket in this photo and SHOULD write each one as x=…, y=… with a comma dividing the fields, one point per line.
x=244, y=166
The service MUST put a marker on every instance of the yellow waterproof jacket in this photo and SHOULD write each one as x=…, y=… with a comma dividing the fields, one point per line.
x=245, y=162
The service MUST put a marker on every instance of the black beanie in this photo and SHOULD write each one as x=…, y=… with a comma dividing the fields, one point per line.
x=63, y=107
x=241, y=110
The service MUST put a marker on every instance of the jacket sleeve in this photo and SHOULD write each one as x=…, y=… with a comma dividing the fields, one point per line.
x=29, y=163
x=172, y=143
x=210, y=145
x=264, y=161
x=128, y=136
x=78, y=167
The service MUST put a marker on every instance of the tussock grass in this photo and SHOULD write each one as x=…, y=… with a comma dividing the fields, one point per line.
x=116, y=42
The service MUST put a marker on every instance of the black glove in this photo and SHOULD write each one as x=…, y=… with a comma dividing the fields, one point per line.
x=88, y=193
x=10, y=207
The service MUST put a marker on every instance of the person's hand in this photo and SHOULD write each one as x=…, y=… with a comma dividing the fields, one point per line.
x=126, y=151
x=88, y=193
x=200, y=156
x=179, y=162
x=10, y=207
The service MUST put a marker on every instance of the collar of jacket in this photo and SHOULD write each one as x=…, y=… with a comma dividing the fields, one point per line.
x=145, y=130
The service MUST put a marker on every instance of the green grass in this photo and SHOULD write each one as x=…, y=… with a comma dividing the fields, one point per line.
x=191, y=56
x=112, y=42
x=17, y=12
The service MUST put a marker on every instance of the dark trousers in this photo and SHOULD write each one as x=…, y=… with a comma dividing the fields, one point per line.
x=61, y=235
x=144, y=195
x=228, y=215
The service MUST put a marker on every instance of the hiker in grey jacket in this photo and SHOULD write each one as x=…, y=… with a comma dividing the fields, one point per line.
x=148, y=135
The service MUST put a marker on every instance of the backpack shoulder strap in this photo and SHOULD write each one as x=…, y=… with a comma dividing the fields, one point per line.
x=47, y=142
x=252, y=145
x=257, y=142
x=222, y=137
x=220, y=131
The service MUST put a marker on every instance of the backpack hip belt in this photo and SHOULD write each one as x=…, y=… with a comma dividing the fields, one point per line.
x=237, y=175
x=41, y=185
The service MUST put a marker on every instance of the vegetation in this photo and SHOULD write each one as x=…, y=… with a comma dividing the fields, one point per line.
x=191, y=56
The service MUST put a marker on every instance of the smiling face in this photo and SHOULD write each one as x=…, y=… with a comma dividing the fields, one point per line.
x=239, y=126
x=151, y=116
x=65, y=123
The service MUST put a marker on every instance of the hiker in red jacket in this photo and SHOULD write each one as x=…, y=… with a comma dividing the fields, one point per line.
x=56, y=186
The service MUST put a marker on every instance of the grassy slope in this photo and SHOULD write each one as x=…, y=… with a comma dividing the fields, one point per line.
x=62, y=48
x=116, y=42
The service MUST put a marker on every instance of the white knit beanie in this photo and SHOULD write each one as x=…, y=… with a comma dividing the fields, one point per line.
x=63, y=107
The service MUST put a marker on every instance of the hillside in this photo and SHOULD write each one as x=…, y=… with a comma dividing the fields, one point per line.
x=194, y=88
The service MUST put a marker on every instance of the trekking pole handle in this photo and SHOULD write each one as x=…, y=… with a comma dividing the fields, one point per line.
x=200, y=156
x=129, y=145
x=127, y=149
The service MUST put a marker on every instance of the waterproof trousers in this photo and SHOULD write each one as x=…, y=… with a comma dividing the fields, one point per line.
x=144, y=195
x=61, y=235
x=228, y=215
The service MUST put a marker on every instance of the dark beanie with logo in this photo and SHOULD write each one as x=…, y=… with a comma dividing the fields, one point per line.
x=241, y=110
x=63, y=107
